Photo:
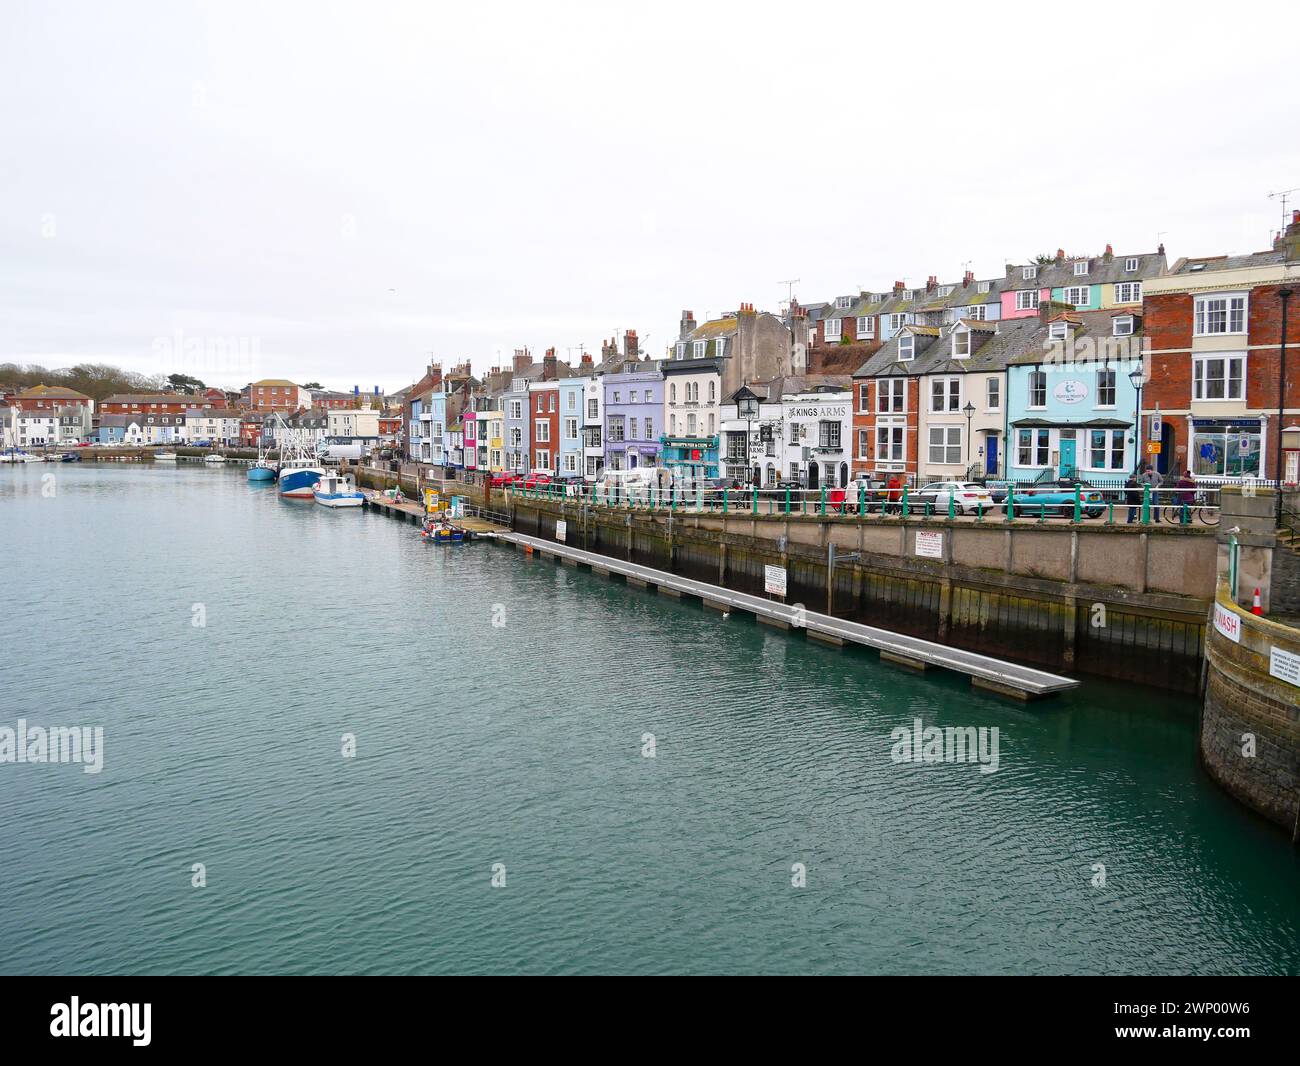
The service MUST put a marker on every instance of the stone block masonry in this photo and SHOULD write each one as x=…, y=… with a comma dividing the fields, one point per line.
x=1111, y=601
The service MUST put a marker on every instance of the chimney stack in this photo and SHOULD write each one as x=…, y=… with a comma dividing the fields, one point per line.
x=931, y=283
x=968, y=279
x=522, y=360
x=898, y=288
x=687, y=325
x=1110, y=252
x=1060, y=255
x=586, y=360
x=549, y=365
x=630, y=350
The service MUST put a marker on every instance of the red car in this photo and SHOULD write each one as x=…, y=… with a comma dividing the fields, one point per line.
x=504, y=478
x=534, y=481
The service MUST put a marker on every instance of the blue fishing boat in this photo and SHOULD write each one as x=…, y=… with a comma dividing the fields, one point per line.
x=337, y=490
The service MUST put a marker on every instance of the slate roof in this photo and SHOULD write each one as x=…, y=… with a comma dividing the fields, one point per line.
x=794, y=384
x=1033, y=347
x=1102, y=270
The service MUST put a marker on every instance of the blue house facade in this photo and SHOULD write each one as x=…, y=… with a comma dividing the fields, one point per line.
x=1072, y=399
x=571, y=419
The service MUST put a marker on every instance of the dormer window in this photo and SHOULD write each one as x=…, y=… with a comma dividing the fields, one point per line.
x=1123, y=325
x=906, y=348
x=701, y=347
x=961, y=344
x=907, y=294
x=1028, y=273
x=983, y=287
x=719, y=346
x=944, y=290
x=1058, y=331
x=681, y=349
x=1130, y=264
x=843, y=303
x=1081, y=268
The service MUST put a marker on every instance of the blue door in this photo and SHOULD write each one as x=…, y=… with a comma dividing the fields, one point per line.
x=1067, y=457
x=991, y=456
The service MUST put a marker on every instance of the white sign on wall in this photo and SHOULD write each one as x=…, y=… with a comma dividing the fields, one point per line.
x=929, y=544
x=1070, y=392
x=561, y=529
x=1284, y=664
x=774, y=580
x=1227, y=623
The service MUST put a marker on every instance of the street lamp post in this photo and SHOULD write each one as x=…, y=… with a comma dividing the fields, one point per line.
x=968, y=411
x=1136, y=378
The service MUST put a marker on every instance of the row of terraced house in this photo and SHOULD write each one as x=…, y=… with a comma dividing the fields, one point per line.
x=1091, y=366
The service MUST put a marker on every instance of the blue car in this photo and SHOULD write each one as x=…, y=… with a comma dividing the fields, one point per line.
x=1053, y=495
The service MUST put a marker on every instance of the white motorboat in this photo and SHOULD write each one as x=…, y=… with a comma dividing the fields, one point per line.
x=337, y=490
x=164, y=457
x=214, y=458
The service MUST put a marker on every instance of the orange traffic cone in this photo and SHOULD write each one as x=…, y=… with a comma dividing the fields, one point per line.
x=1255, y=607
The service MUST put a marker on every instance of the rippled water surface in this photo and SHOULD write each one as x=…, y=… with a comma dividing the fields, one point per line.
x=521, y=744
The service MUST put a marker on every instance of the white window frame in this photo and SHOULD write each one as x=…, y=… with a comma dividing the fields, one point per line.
x=1202, y=312
x=1034, y=375
x=1026, y=299
x=1199, y=379
x=719, y=346
x=978, y=312
x=944, y=290
x=907, y=294
x=833, y=326
x=1040, y=448
x=1130, y=264
x=866, y=327
x=1106, y=379
x=886, y=394
x=1128, y=292
x=1028, y=273
x=906, y=353
x=701, y=349
x=961, y=343
x=890, y=436
x=949, y=444
x=993, y=394
x=681, y=349
x=897, y=321
x=1081, y=268
x=1058, y=331
x=948, y=398
x=864, y=397
x=983, y=287
x=1074, y=291
x=1125, y=321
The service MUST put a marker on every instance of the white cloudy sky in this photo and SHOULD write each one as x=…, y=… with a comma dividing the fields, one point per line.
x=345, y=188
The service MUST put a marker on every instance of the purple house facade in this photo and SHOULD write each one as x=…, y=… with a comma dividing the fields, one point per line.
x=634, y=411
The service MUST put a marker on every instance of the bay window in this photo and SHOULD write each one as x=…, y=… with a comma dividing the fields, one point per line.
x=945, y=445
x=1220, y=314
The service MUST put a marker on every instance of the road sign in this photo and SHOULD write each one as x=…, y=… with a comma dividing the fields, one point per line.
x=1153, y=447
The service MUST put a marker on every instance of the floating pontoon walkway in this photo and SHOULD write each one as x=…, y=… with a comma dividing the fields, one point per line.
x=1008, y=679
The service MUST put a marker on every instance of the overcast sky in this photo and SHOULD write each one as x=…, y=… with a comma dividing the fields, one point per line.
x=339, y=191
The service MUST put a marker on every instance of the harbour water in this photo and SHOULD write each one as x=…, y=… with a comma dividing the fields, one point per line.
x=500, y=706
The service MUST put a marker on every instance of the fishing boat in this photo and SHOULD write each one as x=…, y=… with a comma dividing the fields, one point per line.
x=69, y=457
x=214, y=458
x=164, y=457
x=337, y=490
x=299, y=468
x=263, y=469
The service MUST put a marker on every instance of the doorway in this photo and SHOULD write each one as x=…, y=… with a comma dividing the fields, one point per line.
x=814, y=475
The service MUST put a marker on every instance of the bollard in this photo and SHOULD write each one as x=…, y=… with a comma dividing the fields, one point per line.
x=952, y=506
x=1078, y=510
x=724, y=499
x=755, y=499
x=787, y=500
x=1011, y=503
x=823, y=503
x=1146, y=505
x=906, y=511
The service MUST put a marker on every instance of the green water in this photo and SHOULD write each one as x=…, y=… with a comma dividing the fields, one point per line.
x=521, y=744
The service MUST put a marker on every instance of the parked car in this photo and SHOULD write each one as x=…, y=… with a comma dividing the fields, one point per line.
x=1056, y=495
x=533, y=481
x=967, y=497
x=504, y=478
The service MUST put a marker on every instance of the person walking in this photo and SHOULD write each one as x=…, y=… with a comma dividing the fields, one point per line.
x=1186, y=495
x=894, y=493
x=1133, y=495
x=1151, y=480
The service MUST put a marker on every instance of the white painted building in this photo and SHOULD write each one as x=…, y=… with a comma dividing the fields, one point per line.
x=818, y=428
x=219, y=426
x=593, y=422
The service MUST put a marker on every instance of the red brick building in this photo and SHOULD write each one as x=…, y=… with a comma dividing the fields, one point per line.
x=886, y=408
x=544, y=424
x=276, y=394
x=155, y=403
x=48, y=398
x=1214, y=328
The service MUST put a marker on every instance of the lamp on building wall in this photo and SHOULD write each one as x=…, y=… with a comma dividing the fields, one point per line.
x=968, y=411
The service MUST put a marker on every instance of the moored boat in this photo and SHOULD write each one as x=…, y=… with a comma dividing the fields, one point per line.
x=164, y=457
x=337, y=490
x=214, y=458
x=261, y=471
